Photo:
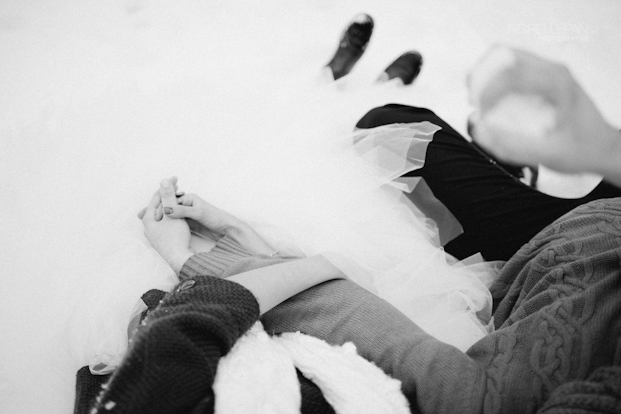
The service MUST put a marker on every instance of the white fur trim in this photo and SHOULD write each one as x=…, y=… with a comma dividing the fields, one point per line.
x=258, y=376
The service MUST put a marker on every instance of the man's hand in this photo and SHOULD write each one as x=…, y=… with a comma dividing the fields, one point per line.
x=532, y=111
x=212, y=222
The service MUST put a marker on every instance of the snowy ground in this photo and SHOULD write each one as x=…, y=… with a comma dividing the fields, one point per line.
x=99, y=100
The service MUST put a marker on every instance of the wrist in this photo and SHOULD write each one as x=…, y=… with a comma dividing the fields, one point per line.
x=178, y=259
x=245, y=236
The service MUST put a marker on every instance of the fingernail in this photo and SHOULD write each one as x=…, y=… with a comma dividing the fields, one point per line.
x=180, y=193
x=168, y=210
x=165, y=183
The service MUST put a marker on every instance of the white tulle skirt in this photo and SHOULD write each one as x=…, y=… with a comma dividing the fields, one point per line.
x=306, y=197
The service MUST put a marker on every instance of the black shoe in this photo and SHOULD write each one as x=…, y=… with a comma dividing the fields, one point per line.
x=406, y=67
x=354, y=41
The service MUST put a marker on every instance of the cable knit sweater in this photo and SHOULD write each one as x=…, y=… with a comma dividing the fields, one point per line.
x=558, y=328
x=556, y=349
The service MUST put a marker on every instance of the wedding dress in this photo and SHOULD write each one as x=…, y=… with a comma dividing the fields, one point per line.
x=306, y=194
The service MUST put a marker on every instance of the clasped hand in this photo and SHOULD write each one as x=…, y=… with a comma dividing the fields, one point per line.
x=171, y=216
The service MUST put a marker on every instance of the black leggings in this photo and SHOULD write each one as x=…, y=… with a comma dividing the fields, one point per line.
x=498, y=212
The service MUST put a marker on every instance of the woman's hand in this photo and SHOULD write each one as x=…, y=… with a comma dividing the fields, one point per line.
x=212, y=222
x=575, y=137
x=169, y=237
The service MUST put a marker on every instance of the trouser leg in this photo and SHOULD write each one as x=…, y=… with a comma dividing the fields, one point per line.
x=498, y=213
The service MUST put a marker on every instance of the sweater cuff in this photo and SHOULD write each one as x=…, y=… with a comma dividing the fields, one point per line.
x=214, y=262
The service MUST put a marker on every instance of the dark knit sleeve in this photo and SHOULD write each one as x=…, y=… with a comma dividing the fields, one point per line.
x=172, y=360
x=225, y=259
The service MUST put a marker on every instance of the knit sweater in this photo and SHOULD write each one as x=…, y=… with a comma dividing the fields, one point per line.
x=558, y=324
x=171, y=363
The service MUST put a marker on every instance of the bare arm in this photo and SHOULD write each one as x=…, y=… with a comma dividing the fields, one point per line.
x=275, y=284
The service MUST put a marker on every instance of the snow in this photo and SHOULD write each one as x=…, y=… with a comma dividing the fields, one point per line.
x=100, y=100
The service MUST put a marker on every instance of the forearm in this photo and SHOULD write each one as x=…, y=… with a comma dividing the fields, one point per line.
x=435, y=377
x=275, y=284
x=270, y=279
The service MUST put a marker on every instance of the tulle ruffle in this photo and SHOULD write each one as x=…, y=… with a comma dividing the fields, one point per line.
x=397, y=253
x=355, y=213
